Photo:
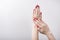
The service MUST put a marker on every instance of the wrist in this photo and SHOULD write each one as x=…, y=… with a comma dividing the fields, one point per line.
x=48, y=33
x=50, y=36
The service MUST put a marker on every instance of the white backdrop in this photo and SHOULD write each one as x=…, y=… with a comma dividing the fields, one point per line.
x=16, y=18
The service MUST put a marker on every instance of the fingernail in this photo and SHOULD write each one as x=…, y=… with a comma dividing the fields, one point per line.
x=37, y=6
x=40, y=13
x=37, y=26
x=35, y=19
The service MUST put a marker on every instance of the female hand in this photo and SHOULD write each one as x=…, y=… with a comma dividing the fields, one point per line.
x=37, y=19
x=41, y=26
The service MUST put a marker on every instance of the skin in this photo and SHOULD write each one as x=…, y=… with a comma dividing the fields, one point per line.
x=40, y=26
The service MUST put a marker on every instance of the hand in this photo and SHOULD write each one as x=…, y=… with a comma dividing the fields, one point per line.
x=41, y=26
x=37, y=19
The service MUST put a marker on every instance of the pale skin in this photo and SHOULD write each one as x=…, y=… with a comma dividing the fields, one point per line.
x=40, y=26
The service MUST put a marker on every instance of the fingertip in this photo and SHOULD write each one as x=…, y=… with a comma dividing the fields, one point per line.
x=37, y=26
x=35, y=19
x=40, y=13
x=37, y=6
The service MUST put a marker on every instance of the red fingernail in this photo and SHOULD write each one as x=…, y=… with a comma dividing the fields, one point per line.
x=37, y=26
x=37, y=6
x=35, y=19
x=40, y=12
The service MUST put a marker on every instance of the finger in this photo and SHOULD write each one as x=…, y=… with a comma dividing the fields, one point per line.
x=34, y=15
x=33, y=12
x=34, y=19
x=37, y=9
x=36, y=12
x=37, y=22
x=40, y=16
x=37, y=6
x=39, y=28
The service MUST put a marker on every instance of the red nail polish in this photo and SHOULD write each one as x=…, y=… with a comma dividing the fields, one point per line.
x=35, y=19
x=40, y=13
x=37, y=6
x=37, y=26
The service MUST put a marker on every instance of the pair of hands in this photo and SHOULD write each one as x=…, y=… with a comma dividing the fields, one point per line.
x=42, y=27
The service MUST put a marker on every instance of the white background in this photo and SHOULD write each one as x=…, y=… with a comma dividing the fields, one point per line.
x=16, y=18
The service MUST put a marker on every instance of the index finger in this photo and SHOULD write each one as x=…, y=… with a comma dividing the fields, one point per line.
x=37, y=9
x=39, y=13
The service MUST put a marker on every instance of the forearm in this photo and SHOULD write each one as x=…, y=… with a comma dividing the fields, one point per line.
x=34, y=33
x=50, y=36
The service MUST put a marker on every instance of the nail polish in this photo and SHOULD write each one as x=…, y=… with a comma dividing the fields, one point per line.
x=35, y=19
x=37, y=6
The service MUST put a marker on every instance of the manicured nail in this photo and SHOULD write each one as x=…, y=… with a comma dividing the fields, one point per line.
x=35, y=19
x=37, y=6
x=40, y=13
x=37, y=26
